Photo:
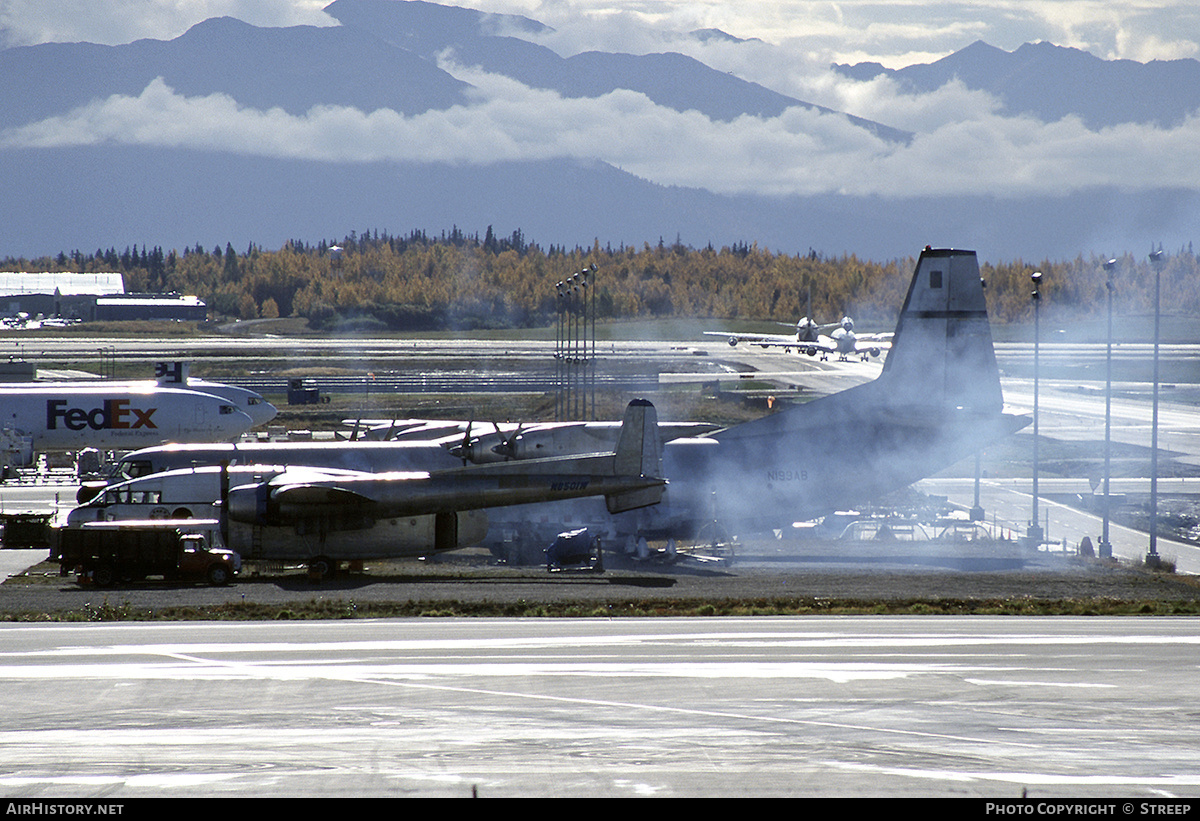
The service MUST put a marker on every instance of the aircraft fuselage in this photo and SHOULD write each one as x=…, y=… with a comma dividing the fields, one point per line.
x=70, y=417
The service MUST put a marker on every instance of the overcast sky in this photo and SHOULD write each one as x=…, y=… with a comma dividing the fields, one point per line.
x=962, y=145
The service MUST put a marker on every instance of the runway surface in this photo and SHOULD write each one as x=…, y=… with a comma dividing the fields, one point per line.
x=899, y=706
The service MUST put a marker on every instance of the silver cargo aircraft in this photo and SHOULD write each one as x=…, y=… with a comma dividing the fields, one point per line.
x=324, y=515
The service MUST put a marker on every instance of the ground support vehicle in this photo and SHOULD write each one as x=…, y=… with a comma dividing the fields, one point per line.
x=575, y=550
x=25, y=530
x=105, y=553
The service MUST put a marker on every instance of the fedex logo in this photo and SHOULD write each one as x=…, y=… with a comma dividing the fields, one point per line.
x=113, y=414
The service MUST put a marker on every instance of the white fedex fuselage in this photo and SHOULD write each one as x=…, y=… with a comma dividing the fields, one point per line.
x=64, y=416
x=245, y=400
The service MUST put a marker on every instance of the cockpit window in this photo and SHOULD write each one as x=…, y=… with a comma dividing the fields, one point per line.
x=226, y=409
x=134, y=468
x=128, y=496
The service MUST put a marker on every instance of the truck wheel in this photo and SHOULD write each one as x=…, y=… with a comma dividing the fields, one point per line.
x=321, y=568
x=103, y=576
x=218, y=575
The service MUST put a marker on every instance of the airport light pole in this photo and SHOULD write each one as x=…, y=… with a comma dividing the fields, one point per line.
x=976, y=514
x=1034, y=535
x=1152, y=559
x=583, y=358
x=573, y=358
x=575, y=300
x=559, y=337
x=1105, y=547
x=589, y=275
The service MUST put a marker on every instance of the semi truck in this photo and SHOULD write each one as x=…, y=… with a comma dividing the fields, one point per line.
x=105, y=553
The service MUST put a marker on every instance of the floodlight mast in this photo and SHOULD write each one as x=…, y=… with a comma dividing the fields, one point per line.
x=1152, y=559
x=1105, y=547
x=1035, y=536
x=559, y=337
x=574, y=352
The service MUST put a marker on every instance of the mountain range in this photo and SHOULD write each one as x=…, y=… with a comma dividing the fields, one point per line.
x=1051, y=82
x=67, y=190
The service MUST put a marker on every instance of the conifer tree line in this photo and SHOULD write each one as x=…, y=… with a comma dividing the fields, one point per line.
x=459, y=281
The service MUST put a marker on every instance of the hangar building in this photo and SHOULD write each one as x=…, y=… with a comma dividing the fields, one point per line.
x=89, y=297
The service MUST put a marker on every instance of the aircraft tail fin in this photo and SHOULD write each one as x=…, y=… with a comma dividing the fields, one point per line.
x=941, y=363
x=171, y=373
x=638, y=453
x=942, y=354
x=638, y=450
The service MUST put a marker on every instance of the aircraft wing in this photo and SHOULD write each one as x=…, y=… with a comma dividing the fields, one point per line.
x=873, y=343
x=772, y=341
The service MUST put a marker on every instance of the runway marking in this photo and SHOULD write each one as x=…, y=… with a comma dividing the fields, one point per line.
x=1038, y=683
x=625, y=705
x=1027, y=778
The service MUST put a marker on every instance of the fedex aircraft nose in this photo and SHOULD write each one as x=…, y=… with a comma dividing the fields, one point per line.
x=237, y=423
x=247, y=401
x=260, y=411
x=230, y=423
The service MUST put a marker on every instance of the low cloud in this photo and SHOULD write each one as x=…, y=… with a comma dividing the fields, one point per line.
x=960, y=149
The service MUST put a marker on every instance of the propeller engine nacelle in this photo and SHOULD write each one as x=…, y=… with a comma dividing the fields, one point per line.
x=565, y=440
x=469, y=450
x=496, y=446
